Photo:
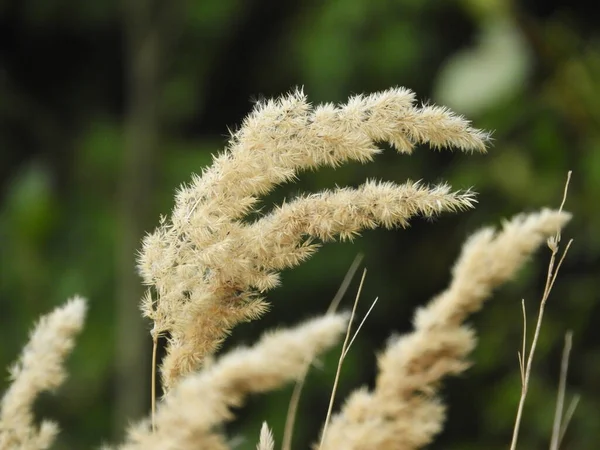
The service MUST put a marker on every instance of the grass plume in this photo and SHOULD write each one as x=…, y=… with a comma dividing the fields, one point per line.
x=39, y=369
x=208, y=268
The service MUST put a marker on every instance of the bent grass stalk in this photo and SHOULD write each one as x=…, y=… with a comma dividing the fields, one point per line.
x=153, y=382
x=550, y=279
x=341, y=359
x=290, y=418
x=557, y=426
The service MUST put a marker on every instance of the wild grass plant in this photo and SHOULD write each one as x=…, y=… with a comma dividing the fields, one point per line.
x=208, y=267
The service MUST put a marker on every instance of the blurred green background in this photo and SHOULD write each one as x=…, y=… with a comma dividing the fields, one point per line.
x=106, y=107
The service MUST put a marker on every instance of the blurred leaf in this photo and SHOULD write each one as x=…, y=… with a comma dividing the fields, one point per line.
x=477, y=78
x=31, y=206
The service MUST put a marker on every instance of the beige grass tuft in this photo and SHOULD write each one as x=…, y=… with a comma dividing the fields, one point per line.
x=403, y=412
x=39, y=369
x=187, y=418
x=208, y=269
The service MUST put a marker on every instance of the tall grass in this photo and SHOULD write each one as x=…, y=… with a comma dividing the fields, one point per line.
x=207, y=270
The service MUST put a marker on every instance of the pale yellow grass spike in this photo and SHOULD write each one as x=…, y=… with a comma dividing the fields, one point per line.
x=251, y=255
x=206, y=267
x=284, y=136
x=403, y=412
x=201, y=328
x=277, y=239
x=39, y=369
x=265, y=441
x=187, y=418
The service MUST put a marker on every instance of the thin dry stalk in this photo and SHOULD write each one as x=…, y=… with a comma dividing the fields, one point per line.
x=557, y=427
x=335, y=303
x=522, y=354
x=153, y=381
x=290, y=419
x=568, y=416
x=341, y=360
x=362, y=322
x=550, y=279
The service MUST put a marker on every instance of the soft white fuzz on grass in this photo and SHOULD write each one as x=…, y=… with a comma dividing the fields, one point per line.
x=265, y=441
x=208, y=269
x=403, y=412
x=39, y=368
x=188, y=417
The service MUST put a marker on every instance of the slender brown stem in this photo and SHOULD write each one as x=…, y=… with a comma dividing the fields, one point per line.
x=333, y=306
x=568, y=416
x=536, y=334
x=562, y=387
x=550, y=278
x=341, y=360
x=292, y=411
x=362, y=322
x=153, y=386
x=290, y=419
x=523, y=353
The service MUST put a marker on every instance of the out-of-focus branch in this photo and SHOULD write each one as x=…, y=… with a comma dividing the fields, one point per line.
x=147, y=28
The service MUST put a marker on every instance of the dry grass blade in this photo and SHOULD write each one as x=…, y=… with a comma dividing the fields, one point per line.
x=522, y=354
x=341, y=360
x=568, y=416
x=550, y=279
x=153, y=382
x=557, y=427
x=290, y=418
x=335, y=303
x=360, y=326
